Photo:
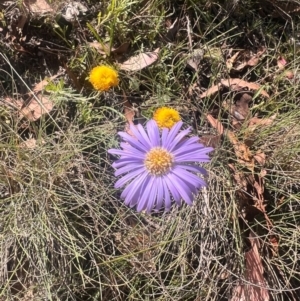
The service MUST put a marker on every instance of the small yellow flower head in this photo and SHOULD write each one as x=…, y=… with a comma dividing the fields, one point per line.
x=103, y=78
x=166, y=117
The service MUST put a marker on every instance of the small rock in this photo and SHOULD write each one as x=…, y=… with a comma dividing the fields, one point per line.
x=72, y=10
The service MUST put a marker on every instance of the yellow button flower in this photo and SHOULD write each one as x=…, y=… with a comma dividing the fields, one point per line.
x=166, y=117
x=103, y=78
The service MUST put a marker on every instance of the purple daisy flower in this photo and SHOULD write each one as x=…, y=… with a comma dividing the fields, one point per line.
x=158, y=168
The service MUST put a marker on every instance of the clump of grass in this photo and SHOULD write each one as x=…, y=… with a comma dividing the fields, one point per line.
x=279, y=141
x=51, y=208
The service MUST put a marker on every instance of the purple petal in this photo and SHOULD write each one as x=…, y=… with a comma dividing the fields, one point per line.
x=121, y=182
x=167, y=197
x=142, y=204
x=119, y=152
x=153, y=196
x=174, y=192
x=172, y=134
x=160, y=193
x=130, y=149
x=190, y=149
x=128, y=168
x=133, y=141
x=164, y=134
x=153, y=133
x=141, y=183
x=188, y=178
x=194, y=156
x=132, y=192
x=126, y=161
x=141, y=135
x=128, y=152
x=132, y=185
x=183, y=189
x=186, y=142
x=178, y=138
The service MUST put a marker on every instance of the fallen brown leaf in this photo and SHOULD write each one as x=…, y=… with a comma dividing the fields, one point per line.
x=39, y=104
x=215, y=123
x=234, y=84
x=140, y=61
x=237, y=84
x=193, y=89
x=211, y=90
x=254, y=289
x=15, y=103
x=211, y=140
x=236, y=124
x=253, y=61
x=260, y=158
x=259, y=201
x=275, y=244
x=101, y=48
x=241, y=109
x=38, y=6
x=281, y=62
x=239, y=177
x=263, y=173
x=129, y=112
x=37, y=107
x=123, y=48
x=241, y=150
x=259, y=189
x=255, y=121
x=41, y=85
x=105, y=48
x=29, y=143
x=230, y=62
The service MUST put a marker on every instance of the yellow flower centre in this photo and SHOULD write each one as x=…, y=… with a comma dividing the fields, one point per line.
x=166, y=117
x=103, y=78
x=158, y=161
